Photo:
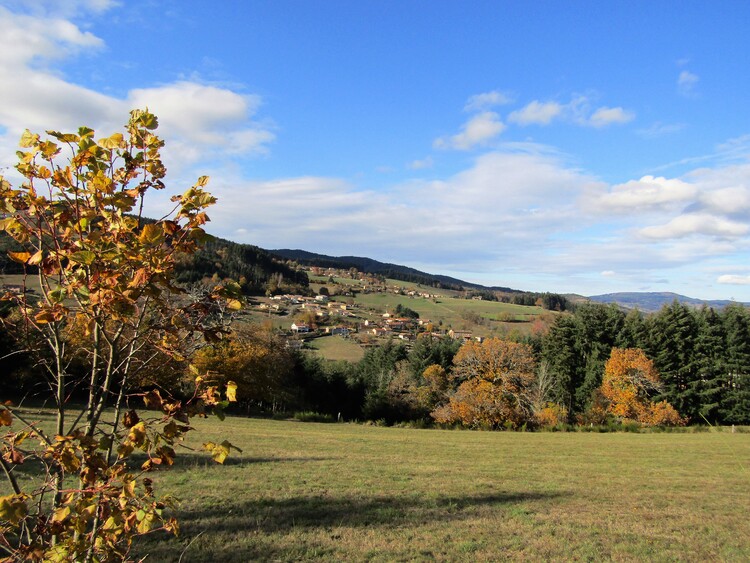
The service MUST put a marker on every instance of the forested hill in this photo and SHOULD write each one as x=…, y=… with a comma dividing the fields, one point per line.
x=651, y=302
x=392, y=271
x=256, y=269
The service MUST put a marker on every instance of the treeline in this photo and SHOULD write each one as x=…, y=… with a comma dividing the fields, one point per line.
x=695, y=360
x=549, y=301
x=701, y=355
x=273, y=378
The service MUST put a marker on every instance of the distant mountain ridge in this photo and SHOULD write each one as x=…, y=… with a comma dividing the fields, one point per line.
x=653, y=301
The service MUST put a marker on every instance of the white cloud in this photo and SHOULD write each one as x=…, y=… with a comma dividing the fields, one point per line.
x=478, y=131
x=607, y=116
x=578, y=110
x=697, y=224
x=479, y=102
x=732, y=279
x=608, y=273
x=538, y=113
x=200, y=122
x=205, y=115
x=25, y=39
x=686, y=83
x=647, y=194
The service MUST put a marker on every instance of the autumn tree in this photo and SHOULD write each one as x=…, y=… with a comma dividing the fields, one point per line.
x=257, y=361
x=630, y=379
x=105, y=274
x=496, y=379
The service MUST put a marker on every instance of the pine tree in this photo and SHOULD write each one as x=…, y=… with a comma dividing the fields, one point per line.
x=735, y=404
x=674, y=334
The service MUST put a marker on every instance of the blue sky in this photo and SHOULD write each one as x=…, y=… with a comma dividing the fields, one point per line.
x=584, y=147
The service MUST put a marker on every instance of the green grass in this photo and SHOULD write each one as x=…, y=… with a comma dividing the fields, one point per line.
x=337, y=348
x=347, y=492
x=452, y=311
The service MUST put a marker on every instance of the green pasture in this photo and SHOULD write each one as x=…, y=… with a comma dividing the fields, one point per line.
x=345, y=492
x=337, y=348
x=452, y=311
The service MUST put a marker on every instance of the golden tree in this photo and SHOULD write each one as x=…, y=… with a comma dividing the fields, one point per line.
x=104, y=273
x=497, y=378
x=630, y=378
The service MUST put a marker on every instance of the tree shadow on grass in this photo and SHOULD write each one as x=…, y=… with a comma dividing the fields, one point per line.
x=264, y=518
x=189, y=460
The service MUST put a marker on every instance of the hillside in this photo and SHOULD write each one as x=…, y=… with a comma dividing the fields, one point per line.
x=255, y=268
x=388, y=270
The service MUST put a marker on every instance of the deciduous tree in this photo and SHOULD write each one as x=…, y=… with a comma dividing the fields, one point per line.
x=630, y=379
x=104, y=269
x=496, y=385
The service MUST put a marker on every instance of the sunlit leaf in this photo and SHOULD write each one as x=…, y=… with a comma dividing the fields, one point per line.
x=28, y=139
x=20, y=257
x=111, y=142
x=151, y=234
x=85, y=257
x=231, y=391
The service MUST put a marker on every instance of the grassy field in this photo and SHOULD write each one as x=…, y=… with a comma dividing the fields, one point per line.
x=457, y=313
x=337, y=348
x=348, y=492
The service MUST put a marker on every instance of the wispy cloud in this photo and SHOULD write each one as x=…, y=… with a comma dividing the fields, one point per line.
x=578, y=110
x=478, y=131
x=686, y=83
x=487, y=100
x=605, y=116
x=421, y=164
x=659, y=129
x=538, y=113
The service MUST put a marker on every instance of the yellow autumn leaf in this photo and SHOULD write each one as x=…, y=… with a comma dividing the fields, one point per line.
x=231, y=391
x=20, y=257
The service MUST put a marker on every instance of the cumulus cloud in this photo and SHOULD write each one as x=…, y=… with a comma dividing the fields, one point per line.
x=686, y=83
x=25, y=39
x=647, y=194
x=199, y=121
x=478, y=131
x=538, y=113
x=480, y=102
x=607, y=116
x=504, y=201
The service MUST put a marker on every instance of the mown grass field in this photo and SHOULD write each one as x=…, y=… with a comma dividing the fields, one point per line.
x=304, y=491
x=337, y=348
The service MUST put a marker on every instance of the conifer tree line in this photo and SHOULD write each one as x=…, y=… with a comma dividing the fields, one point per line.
x=702, y=357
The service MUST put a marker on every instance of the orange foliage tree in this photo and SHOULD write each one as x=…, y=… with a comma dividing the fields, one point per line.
x=629, y=380
x=497, y=378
